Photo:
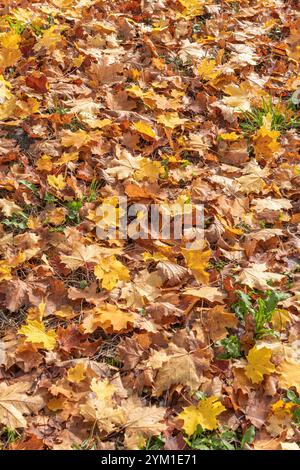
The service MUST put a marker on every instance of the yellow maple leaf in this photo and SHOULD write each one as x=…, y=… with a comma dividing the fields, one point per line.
x=280, y=318
x=5, y=271
x=26, y=107
x=144, y=129
x=50, y=38
x=154, y=257
x=66, y=312
x=229, y=136
x=280, y=408
x=10, y=40
x=77, y=373
x=266, y=143
x=289, y=375
x=7, y=100
x=66, y=158
x=109, y=318
x=192, y=8
x=259, y=364
x=204, y=414
x=110, y=271
x=149, y=170
x=103, y=389
x=170, y=120
x=44, y=163
x=207, y=69
x=10, y=52
x=77, y=139
x=239, y=97
x=36, y=333
x=197, y=261
x=56, y=182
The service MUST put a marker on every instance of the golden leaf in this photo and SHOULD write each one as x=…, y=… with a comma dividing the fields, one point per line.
x=9, y=207
x=289, y=375
x=144, y=129
x=229, y=136
x=280, y=318
x=103, y=389
x=170, y=120
x=77, y=139
x=204, y=414
x=259, y=364
x=5, y=271
x=49, y=39
x=44, y=163
x=149, y=170
x=197, y=261
x=56, y=182
x=37, y=313
x=81, y=255
x=207, y=69
x=77, y=373
x=110, y=271
x=36, y=333
x=109, y=318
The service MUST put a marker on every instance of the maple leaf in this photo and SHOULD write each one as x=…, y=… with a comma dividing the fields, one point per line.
x=77, y=373
x=218, y=320
x=110, y=271
x=35, y=333
x=212, y=294
x=207, y=69
x=9, y=52
x=81, y=256
x=57, y=216
x=37, y=313
x=179, y=367
x=56, y=182
x=192, y=8
x=125, y=166
x=144, y=129
x=149, y=170
x=144, y=289
x=15, y=404
x=280, y=319
x=103, y=389
x=9, y=207
x=109, y=318
x=271, y=204
x=142, y=421
x=289, y=374
x=197, y=261
x=171, y=120
x=259, y=364
x=229, y=136
x=204, y=414
x=49, y=39
x=239, y=97
x=5, y=271
x=257, y=277
x=44, y=163
x=75, y=139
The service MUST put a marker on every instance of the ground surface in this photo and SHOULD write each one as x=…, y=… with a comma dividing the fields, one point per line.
x=147, y=343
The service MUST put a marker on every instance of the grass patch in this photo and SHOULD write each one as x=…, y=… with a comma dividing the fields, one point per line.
x=283, y=117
